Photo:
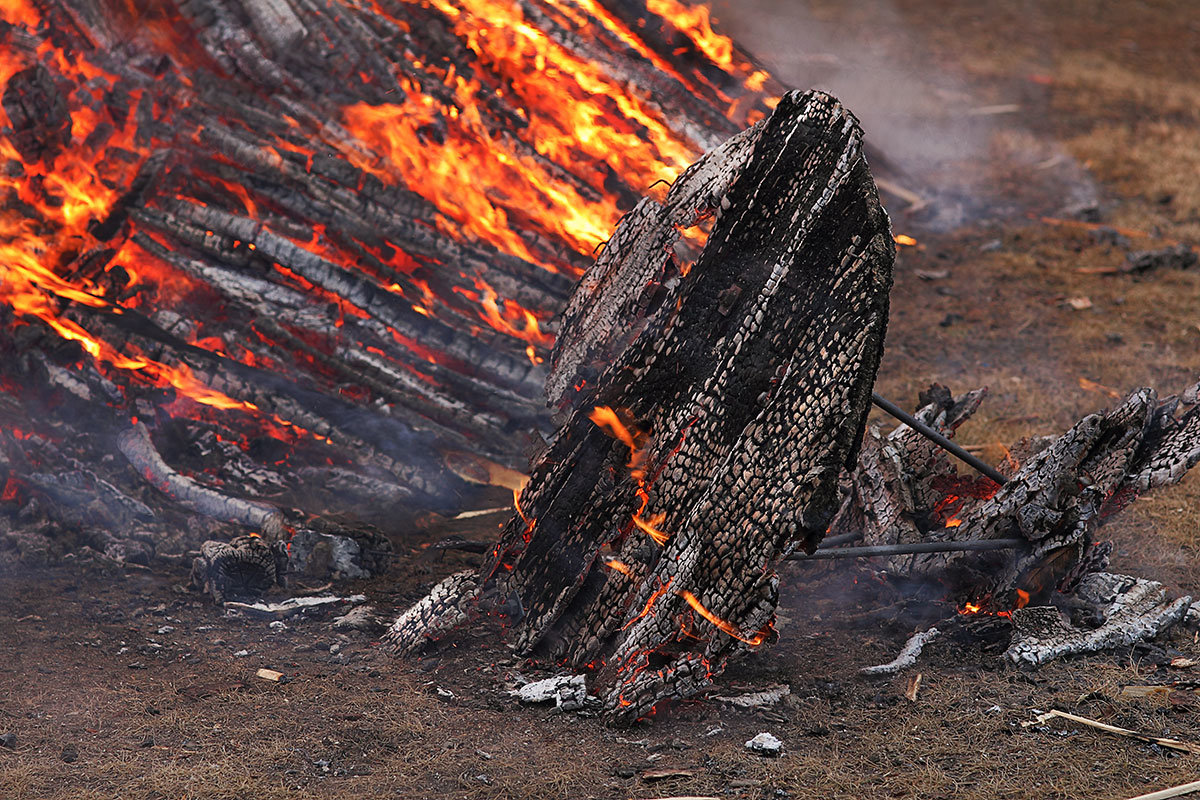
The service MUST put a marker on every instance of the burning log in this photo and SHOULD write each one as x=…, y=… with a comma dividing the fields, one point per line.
x=276, y=23
x=348, y=223
x=646, y=537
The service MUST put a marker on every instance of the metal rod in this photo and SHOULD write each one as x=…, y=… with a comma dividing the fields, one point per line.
x=836, y=541
x=937, y=438
x=907, y=549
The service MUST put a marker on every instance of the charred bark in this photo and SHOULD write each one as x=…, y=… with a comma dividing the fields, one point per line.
x=37, y=109
x=241, y=569
x=741, y=389
x=1060, y=491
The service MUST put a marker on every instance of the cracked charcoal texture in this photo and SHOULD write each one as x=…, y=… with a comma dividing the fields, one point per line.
x=750, y=378
x=241, y=569
x=1135, y=610
x=37, y=109
x=1064, y=489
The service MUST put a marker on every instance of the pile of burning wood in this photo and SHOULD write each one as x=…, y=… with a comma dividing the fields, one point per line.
x=269, y=263
x=309, y=254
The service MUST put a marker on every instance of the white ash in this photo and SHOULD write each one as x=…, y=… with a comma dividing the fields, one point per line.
x=569, y=692
x=908, y=654
x=765, y=745
x=293, y=605
x=760, y=699
x=1135, y=610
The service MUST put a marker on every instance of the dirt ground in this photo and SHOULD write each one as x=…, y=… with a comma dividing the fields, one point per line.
x=129, y=685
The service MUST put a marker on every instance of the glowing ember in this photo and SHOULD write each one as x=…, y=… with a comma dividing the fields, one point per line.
x=905, y=240
x=658, y=593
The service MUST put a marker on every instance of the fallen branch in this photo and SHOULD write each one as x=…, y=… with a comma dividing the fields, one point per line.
x=1173, y=744
x=135, y=444
x=908, y=654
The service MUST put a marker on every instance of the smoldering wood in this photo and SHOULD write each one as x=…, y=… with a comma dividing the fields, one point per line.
x=751, y=375
x=276, y=23
x=937, y=438
x=328, y=548
x=1132, y=609
x=243, y=568
x=135, y=444
x=446, y=606
x=905, y=490
x=1060, y=490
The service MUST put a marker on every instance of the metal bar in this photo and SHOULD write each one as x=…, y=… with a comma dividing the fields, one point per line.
x=907, y=549
x=937, y=438
x=836, y=541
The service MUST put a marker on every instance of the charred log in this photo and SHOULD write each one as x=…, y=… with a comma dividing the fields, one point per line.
x=240, y=569
x=905, y=490
x=1131, y=610
x=135, y=444
x=41, y=124
x=743, y=387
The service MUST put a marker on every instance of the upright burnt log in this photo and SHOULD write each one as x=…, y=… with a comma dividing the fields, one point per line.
x=731, y=397
x=240, y=569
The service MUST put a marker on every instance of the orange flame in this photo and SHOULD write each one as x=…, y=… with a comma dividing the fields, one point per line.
x=696, y=21
x=607, y=419
x=619, y=566
x=576, y=115
x=651, y=529
x=521, y=189
x=724, y=626
x=529, y=331
x=659, y=592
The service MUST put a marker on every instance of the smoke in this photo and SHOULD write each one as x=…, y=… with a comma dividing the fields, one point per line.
x=933, y=126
